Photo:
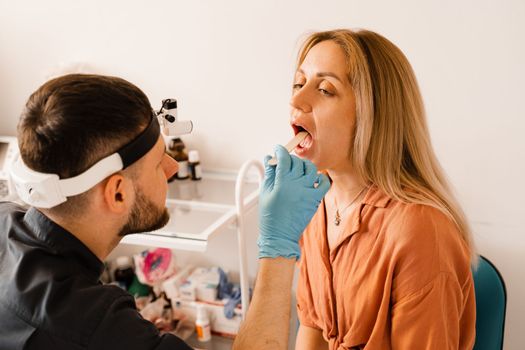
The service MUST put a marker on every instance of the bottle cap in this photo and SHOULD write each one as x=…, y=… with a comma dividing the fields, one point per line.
x=193, y=156
x=123, y=262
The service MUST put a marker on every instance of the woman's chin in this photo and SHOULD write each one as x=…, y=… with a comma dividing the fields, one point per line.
x=308, y=154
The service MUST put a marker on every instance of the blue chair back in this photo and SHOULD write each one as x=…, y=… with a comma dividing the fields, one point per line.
x=491, y=303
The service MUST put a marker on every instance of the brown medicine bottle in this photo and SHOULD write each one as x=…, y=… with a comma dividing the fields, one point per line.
x=176, y=151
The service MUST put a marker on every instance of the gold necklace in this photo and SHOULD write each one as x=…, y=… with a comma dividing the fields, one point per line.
x=337, y=219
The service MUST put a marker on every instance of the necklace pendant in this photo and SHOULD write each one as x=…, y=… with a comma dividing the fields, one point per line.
x=337, y=219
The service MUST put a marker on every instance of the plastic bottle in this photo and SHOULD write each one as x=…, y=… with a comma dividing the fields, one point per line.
x=124, y=272
x=194, y=165
x=176, y=151
x=202, y=324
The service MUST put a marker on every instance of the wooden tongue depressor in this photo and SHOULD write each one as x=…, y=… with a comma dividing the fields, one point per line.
x=290, y=146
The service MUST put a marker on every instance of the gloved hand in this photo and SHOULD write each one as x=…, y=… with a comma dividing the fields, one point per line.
x=287, y=203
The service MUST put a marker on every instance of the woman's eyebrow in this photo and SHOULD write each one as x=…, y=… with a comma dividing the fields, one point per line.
x=324, y=74
x=329, y=74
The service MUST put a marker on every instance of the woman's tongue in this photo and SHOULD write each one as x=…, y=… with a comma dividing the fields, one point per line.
x=307, y=142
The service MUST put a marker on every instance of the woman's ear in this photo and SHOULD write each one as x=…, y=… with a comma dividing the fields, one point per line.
x=117, y=193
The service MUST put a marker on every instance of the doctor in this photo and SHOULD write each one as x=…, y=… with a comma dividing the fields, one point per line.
x=98, y=135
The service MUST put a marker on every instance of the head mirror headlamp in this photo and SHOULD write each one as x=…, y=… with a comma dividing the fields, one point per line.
x=48, y=190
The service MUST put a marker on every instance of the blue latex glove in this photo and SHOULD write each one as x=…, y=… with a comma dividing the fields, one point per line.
x=287, y=203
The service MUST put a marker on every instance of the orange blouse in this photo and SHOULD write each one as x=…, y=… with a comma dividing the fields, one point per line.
x=399, y=277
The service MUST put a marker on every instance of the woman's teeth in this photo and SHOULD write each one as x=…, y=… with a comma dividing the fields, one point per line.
x=306, y=142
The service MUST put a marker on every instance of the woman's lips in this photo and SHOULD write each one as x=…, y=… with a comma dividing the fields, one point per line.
x=297, y=128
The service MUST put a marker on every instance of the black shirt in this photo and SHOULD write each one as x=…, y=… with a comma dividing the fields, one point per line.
x=51, y=296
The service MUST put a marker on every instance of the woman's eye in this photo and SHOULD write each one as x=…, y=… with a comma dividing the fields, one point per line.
x=297, y=86
x=326, y=92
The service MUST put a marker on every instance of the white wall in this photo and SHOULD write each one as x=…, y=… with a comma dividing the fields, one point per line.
x=230, y=64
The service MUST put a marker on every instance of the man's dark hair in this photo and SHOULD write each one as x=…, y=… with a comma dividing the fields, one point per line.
x=73, y=121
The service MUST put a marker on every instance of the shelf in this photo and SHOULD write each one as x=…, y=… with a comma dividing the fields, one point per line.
x=198, y=211
x=216, y=343
x=201, y=209
x=215, y=188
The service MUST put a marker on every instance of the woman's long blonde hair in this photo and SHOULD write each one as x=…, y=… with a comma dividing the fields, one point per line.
x=392, y=147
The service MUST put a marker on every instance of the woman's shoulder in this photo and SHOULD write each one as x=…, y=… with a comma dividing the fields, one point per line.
x=417, y=218
x=424, y=235
x=407, y=219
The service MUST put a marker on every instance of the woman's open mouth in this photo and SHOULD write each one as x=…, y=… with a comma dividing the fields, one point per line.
x=307, y=142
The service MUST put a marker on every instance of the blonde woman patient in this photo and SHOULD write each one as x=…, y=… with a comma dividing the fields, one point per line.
x=386, y=260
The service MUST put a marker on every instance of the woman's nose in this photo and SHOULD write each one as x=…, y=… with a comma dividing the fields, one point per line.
x=300, y=101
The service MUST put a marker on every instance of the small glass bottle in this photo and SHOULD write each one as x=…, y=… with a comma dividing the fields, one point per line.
x=176, y=151
x=194, y=165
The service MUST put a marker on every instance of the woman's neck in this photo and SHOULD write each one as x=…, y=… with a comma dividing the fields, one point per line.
x=345, y=185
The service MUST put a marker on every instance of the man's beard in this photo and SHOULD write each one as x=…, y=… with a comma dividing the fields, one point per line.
x=145, y=216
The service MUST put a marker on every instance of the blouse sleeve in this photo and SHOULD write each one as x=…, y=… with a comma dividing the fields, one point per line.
x=433, y=317
x=433, y=302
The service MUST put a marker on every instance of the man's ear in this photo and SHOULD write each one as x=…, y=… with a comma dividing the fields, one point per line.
x=117, y=193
